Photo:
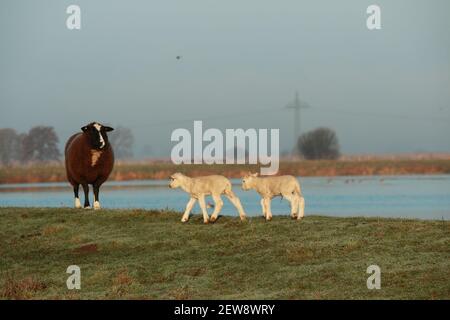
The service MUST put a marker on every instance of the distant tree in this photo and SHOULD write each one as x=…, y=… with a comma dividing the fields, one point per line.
x=40, y=144
x=321, y=143
x=122, y=141
x=10, y=146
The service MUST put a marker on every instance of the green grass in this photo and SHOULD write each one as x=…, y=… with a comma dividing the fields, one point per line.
x=138, y=254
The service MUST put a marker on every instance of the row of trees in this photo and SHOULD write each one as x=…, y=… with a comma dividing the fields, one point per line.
x=40, y=144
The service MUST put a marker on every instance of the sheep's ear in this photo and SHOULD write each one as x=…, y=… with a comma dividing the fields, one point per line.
x=108, y=129
x=84, y=129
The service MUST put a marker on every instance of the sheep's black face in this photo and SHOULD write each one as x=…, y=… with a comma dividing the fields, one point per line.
x=97, y=134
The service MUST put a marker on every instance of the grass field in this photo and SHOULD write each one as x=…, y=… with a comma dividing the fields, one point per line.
x=162, y=170
x=137, y=254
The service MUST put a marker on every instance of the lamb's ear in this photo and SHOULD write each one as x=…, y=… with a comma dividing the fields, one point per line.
x=84, y=129
x=108, y=129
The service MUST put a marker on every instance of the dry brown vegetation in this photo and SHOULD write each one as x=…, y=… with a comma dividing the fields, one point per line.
x=21, y=289
x=162, y=170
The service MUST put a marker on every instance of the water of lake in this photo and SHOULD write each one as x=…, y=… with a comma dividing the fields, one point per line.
x=424, y=196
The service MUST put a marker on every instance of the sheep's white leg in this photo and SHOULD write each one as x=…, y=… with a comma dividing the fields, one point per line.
x=77, y=198
x=295, y=207
x=301, y=208
x=293, y=200
x=218, y=204
x=96, y=196
x=268, y=212
x=237, y=203
x=263, y=206
x=189, y=207
x=201, y=201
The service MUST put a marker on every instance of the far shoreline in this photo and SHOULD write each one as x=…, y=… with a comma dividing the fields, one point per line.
x=161, y=170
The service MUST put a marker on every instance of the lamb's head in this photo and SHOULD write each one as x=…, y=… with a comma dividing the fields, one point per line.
x=97, y=135
x=176, y=180
x=248, y=181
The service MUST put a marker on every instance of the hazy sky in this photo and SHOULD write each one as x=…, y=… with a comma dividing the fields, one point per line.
x=241, y=62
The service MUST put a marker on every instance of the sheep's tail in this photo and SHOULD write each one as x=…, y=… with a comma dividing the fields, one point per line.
x=297, y=188
x=228, y=189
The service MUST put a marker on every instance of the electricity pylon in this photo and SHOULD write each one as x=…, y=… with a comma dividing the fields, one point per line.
x=297, y=104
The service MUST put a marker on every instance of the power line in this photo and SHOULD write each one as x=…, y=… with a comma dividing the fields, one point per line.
x=303, y=105
x=218, y=117
x=379, y=114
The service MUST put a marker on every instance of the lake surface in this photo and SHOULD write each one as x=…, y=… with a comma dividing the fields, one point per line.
x=421, y=196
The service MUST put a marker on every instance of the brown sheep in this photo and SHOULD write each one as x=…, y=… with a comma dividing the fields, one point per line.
x=89, y=160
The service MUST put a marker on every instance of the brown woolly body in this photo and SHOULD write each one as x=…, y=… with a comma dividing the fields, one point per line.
x=85, y=165
x=89, y=160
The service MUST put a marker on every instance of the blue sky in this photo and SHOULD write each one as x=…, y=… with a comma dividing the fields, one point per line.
x=383, y=91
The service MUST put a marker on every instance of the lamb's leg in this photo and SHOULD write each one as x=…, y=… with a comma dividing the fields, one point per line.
x=293, y=200
x=263, y=206
x=76, y=188
x=218, y=204
x=268, y=212
x=301, y=208
x=189, y=207
x=201, y=201
x=86, y=195
x=237, y=203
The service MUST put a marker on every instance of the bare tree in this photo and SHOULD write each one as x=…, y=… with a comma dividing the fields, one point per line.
x=10, y=146
x=321, y=143
x=40, y=144
x=122, y=141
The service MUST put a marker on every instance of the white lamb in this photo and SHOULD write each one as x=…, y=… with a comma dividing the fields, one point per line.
x=200, y=187
x=270, y=187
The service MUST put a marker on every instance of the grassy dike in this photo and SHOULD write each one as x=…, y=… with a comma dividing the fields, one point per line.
x=138, y=254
